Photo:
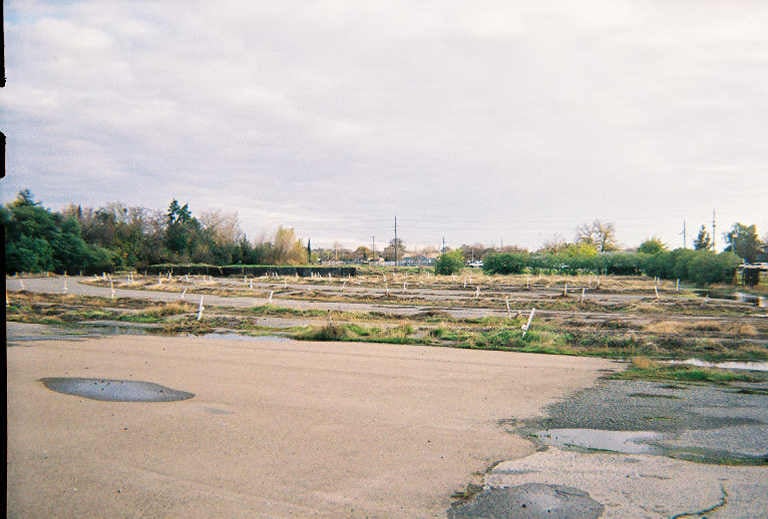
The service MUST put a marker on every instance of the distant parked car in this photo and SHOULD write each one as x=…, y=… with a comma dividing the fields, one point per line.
x=475, y=264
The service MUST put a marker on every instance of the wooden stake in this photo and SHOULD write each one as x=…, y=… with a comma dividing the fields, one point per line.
x=271, y=293
x=200, y=309
x=527, y=325
x=509, y=310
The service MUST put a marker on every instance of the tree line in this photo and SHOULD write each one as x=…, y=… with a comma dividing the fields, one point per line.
x=78, y=239
x=595, y=250
x=700, y=265
x=113, y=237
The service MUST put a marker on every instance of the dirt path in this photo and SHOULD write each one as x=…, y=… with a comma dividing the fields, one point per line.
x=276, y=429
x=56, y=285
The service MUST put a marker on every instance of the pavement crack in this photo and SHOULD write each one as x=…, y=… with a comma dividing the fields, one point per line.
x=720, y=504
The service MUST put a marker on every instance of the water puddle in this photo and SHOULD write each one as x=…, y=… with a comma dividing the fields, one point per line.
x=628, y=442
x=748, y=366
x=115, y=390
x=741, y=297
x=759, y=301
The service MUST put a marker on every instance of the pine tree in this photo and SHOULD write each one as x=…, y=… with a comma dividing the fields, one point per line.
x=702, y=241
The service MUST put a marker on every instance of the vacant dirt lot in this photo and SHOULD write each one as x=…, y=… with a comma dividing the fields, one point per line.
x=276, y=429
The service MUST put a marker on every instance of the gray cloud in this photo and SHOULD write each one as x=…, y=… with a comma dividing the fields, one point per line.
x=509, y=120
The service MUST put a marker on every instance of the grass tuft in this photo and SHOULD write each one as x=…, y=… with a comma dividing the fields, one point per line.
x=647, y=369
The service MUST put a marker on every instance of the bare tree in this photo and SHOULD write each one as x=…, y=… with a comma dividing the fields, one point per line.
x=224, y=228
x=555, y=244
x=602, y=236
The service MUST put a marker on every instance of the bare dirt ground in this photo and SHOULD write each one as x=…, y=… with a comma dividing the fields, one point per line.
x=276, y=429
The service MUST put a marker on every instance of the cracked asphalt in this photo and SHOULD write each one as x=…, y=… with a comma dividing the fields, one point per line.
x=706, y=455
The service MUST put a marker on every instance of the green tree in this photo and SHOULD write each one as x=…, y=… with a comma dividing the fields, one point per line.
x=451, y=262
x=38, y=240
x=652, y=245
x=703, y=240
x=706, y=267
x=183, y=234
x=744, y=242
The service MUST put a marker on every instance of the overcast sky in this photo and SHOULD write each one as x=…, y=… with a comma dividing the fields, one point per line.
x=477, y=121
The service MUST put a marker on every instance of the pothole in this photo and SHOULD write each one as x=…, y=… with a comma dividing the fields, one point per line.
x=115, y=390
x=529, y=501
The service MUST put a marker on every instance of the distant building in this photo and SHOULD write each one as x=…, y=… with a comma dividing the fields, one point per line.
x=417, y=261
x=749, y=274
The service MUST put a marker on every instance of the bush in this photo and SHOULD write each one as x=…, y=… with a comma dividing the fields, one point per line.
x=506, y=263
x=449, y=263
x=707, y=267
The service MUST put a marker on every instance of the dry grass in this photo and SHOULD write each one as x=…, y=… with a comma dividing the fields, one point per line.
x=705, y=326
x=666, y=327
x=642, y=362
x=164, y=309
x=741, y=330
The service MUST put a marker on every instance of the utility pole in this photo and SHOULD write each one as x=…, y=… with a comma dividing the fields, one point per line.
x=683, y=233
x=714, y=226
x=395, y=241
x=373, y=247
x=442, y=251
